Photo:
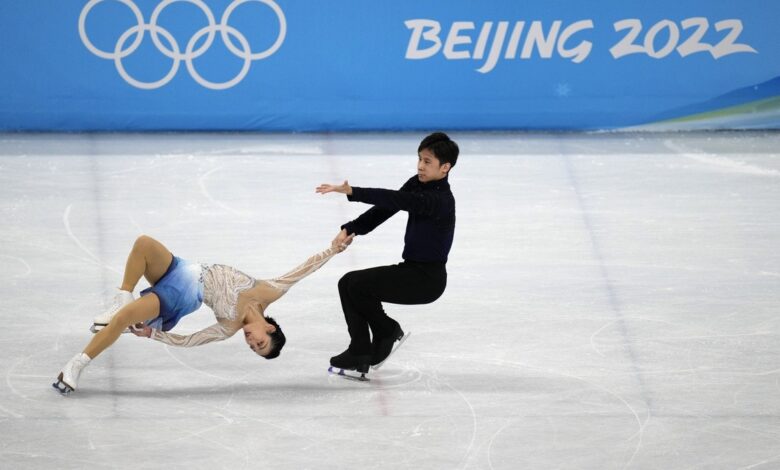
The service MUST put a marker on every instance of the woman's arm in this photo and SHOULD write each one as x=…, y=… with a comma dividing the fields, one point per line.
x=287, y=280
x=216, y=332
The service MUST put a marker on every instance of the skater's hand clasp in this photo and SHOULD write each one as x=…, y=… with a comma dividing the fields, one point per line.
x=141, y=329
x=342, y=244
x=342, y=241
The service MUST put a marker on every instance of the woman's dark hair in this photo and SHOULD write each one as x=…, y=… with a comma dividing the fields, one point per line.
x=277, y=339
x=439, y=143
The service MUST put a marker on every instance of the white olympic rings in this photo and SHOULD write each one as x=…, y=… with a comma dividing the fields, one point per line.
x=174, y=51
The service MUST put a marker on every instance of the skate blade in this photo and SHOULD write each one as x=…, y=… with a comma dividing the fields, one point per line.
x=395, y=348
x=348, y=375
x=61, y=386
x=96, y=327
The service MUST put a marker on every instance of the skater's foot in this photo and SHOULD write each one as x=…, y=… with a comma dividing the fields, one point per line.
x=68, y=379
x=381, y=347
x=349, y=361
x=121, y=299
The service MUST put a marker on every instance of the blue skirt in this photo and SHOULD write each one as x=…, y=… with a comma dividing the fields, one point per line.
x=180, y=291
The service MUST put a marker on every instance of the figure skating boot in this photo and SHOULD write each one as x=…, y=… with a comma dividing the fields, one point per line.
x=349, y=361
x=68, y=379
x=382, y=347
x=121, y=299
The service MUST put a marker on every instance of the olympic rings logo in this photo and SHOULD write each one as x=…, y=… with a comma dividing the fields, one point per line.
x=174, y=51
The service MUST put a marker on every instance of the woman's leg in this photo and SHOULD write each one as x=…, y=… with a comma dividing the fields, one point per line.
x=148, y=258
x=140, y=310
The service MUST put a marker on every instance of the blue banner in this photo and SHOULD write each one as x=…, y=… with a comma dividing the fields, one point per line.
x=297, y=65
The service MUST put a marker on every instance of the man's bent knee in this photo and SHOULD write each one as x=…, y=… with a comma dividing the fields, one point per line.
x=346, y=281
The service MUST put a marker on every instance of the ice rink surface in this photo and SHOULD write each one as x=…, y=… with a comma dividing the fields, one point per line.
x=612, y=304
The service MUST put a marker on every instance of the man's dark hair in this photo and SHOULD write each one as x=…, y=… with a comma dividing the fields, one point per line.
x=277, y=339
x=439, y=143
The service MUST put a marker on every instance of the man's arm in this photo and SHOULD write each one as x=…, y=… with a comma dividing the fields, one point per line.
x=367, y=221
x=423, y=203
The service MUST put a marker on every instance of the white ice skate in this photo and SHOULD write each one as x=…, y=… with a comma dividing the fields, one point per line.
x=121, y=299
x=68, y=379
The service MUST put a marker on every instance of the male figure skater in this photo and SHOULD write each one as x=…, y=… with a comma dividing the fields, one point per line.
x=422, y=276
x=179, y=287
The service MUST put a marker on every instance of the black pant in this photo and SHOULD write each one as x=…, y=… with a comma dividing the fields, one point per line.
x=362, y=293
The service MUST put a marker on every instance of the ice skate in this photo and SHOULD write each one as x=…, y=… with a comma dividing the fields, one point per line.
x=346, y=361
x=344, y=374
x=395, y=348
x=121, y=299
x=68, y=379
x=383, y=347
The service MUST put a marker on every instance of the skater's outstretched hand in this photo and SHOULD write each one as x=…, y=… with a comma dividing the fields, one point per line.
x=141, y=329
x=343, y=188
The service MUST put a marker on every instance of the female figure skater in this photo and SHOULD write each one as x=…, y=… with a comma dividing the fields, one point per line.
x=179, y=287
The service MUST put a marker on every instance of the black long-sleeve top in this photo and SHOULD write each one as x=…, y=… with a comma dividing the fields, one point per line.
x=431, y=225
